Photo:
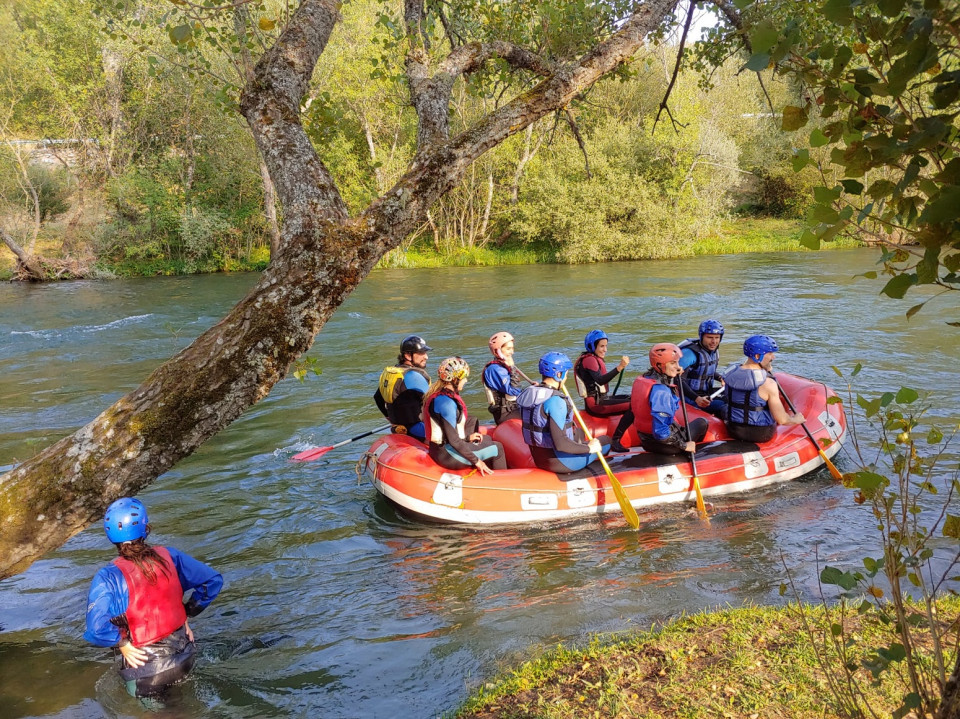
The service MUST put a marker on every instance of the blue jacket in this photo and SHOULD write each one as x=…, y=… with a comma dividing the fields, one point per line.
x=109, y=596
x=663, y=405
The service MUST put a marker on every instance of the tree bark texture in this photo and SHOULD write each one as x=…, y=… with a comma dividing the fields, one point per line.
x=324, y=254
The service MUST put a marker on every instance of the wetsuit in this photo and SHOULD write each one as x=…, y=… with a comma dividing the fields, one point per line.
x=502, y=385
x=699, y=374
x=446, y=419
x=548, y=429
x=748, y=416
x=406, y=398
x=655, y=403
x=114, y=616
x=592, y=380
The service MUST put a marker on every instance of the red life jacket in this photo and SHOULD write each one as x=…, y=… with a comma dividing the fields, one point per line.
x=640, y=404
x=155, y=610
x=433, y=430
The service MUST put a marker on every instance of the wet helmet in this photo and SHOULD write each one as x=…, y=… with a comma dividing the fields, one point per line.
x=555, y=365
x=498, y=341
x=593, y=336
x=710, y=327
x=663, y=352
x=413, y=344
x=453, y=369
x=756, y=346
x=125, y=520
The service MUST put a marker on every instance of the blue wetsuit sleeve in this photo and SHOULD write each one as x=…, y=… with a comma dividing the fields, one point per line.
x=662, y=408
x=416, y=381
x=556, y=411
x=205, y=581
x=108, y=598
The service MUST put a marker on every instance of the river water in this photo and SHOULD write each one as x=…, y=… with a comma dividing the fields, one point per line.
x=336, y=606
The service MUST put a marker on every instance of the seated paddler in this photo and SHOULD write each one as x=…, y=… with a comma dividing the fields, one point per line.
x=502, y=380
x=656, y=399
x=547, y=417
x=700, y=361
x=454, y=440
x=401, y=388
x=593, y=379
x=754, y=409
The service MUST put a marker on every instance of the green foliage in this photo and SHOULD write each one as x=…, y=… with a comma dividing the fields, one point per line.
x=909, y=486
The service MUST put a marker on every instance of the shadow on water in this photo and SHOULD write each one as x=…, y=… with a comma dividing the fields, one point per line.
x=335, y=604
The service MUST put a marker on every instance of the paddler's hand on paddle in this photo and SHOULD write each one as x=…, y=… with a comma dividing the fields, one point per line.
x=797, y=418
x=133, y=656
x=595, y=446
x=476, y=438
x=690, y=447
x=702, y=402
x=482, y=467
x=624, y=361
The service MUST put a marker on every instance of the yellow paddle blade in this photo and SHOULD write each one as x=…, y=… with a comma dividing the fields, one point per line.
x=834, y=472
x=701, y=505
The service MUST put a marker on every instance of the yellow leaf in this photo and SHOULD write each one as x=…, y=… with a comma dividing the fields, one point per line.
x=876, y=592
x=266, y=24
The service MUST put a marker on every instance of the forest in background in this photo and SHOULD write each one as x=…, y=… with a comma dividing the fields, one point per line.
x=122, y=151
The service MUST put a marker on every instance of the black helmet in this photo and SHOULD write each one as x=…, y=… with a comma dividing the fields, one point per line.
x=413, y=344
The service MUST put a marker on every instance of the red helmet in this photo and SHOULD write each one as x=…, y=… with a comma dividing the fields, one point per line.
x=498, y=341
x=663, y=352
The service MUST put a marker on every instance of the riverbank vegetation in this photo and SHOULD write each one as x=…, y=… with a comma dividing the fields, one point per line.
x=123, y=154
x=731, y=662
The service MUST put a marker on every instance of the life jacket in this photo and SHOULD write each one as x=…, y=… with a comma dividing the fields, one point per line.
x=535, y=422
x=598, y=390
x=391, y=386
x=640, y=404
x=744, y=404
x=701, y=373
x=500, y=400
x=434, y=430
x=155, y=610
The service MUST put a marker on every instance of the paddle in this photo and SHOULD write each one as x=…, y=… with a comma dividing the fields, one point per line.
x=701, y=506
x=318, y=452
x=628, y=511
x=520, y=372
x=833, y=470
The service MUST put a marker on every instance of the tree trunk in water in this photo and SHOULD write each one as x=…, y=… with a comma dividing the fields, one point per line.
x=323, y=255
x=26, y=264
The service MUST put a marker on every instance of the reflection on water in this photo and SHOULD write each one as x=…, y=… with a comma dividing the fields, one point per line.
x=335, y=605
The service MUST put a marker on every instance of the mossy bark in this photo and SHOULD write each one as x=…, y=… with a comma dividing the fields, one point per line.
x=324, y=254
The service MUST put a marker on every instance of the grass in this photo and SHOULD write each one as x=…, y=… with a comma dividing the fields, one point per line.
x=748, y=662
x=753, y=234
x=426, y=256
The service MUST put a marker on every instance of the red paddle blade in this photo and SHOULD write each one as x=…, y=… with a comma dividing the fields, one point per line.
x=310, y=454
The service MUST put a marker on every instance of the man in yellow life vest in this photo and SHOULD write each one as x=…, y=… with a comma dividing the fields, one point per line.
x=400, y=392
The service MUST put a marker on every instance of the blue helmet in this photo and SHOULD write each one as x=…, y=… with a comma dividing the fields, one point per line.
x=593, y=336
x=710, y=327
x=554, y=365
x=756, y=346
x=125, y=520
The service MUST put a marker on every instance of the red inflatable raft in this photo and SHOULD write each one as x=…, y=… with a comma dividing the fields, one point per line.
x=402, y=471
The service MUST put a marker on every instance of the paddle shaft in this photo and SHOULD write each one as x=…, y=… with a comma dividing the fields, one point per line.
x=520, y=372
x=317, y=452
x=628, y=511
x=834, y=472
x=701, y=505
x=360, y=436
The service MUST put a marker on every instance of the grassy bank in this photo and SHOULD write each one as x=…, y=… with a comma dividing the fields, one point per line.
x=749, y=662
x=736, y=236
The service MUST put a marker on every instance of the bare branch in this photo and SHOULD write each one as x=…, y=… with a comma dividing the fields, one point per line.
x=676, y=70
x=572, y=122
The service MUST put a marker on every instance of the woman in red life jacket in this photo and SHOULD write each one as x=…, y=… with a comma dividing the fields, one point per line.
x=136, y=603
x=454, y=442
x=592, y=377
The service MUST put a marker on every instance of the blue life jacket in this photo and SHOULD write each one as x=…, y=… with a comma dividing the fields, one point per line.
x=535, y=422
x=744, y=404
x=701, y=373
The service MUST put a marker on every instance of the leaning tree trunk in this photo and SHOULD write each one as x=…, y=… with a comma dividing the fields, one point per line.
x=324, y=254
x=27, y=265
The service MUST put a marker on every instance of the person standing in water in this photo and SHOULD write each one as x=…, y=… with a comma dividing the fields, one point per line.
x=136, y=603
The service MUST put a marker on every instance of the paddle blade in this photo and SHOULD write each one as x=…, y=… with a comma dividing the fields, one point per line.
x=310, y=454
x=701, y=505
x=629, y=513
x=834, y=472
